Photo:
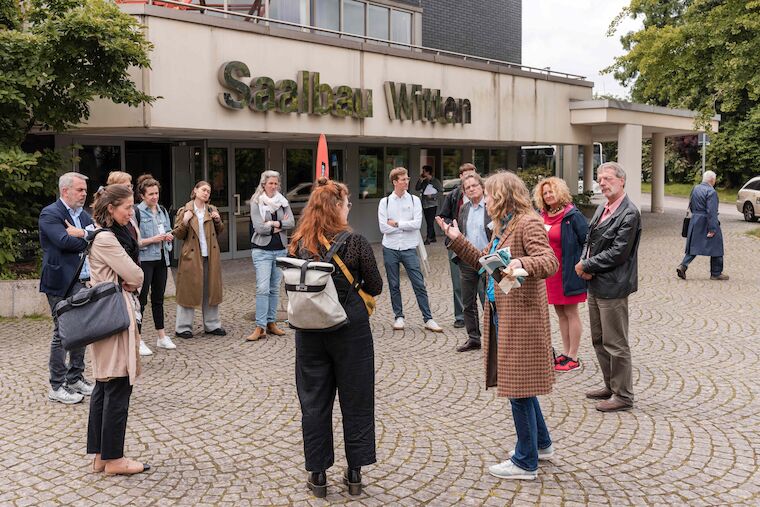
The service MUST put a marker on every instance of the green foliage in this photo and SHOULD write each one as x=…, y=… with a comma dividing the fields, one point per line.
x=701, y=55
x=56, y=56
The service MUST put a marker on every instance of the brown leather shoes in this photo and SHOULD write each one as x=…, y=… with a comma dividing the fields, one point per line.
x=273, y=329
x=614, y=404
x=599, y=394
x=125, y=466
x=257, y=334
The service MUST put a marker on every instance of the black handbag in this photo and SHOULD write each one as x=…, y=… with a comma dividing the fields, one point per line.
x=91, y=314
x=687, y=219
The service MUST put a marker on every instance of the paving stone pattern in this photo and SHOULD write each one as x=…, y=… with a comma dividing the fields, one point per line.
x=218, y=418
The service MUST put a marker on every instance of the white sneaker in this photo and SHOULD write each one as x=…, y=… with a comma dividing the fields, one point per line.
x=144, y=350
x=398, y=324
x=165, y=343
x=431, y=325
x=82, y=387
x=61, y=395
x=508, y=470
x=543, y=454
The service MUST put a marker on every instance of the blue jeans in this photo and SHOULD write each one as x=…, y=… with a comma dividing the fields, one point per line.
x=532, y=434
x=268, y=278
x=393, y=259
x=716, y=264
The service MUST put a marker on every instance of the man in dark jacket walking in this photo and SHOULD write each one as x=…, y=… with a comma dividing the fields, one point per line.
x=704, y=236
x=610, y=265
x=430, y=189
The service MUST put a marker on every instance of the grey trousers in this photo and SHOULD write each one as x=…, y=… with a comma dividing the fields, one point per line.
x=60, y=372
x=608, y=319
x=473, y=285
x=456, y=284
x=186, y=314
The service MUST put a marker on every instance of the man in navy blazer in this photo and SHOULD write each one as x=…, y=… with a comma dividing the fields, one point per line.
x=62, y=237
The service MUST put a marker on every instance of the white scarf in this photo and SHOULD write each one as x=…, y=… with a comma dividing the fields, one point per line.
x=271, y=204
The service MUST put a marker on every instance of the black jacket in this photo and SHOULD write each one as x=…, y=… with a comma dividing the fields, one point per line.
x=612, y=248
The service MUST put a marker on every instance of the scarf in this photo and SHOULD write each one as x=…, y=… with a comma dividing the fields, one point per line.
x=271, y=204
x=127, y=240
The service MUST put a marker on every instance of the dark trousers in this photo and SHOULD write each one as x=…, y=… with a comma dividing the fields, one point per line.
x=473, y=286
x=155, y=281
x=430, y=221
x=716, y=264
x=345, y=361
x=60, y=373
x=107, y=426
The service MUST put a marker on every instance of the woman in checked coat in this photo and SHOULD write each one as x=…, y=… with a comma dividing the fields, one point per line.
x=517, y=337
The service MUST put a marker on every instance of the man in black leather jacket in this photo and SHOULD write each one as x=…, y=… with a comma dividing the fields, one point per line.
x=610, y=265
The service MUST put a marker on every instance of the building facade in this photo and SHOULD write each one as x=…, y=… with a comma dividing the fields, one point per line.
x=240, y=95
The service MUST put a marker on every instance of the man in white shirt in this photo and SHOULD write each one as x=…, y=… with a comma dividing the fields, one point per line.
x=400, y=217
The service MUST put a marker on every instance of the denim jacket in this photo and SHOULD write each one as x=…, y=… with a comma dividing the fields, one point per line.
x=148, y=228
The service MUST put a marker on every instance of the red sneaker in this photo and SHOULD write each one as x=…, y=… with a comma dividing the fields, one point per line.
x=558, y=359
x=567, y=364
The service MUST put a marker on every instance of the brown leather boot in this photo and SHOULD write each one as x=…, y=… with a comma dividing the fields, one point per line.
x=273, y=329
x=257, y=334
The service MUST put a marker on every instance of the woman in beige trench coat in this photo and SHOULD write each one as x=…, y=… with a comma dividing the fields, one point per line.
x=115, y=360
x=517, y=337
x=199, y=275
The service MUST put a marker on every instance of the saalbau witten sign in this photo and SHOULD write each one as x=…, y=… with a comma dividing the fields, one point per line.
x=307, y=95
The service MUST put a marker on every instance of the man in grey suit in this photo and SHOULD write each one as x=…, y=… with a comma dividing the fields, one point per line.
x=610, y=264
x=473, y=222
x=704, y=236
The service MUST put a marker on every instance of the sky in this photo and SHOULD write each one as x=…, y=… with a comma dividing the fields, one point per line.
x=570, y=36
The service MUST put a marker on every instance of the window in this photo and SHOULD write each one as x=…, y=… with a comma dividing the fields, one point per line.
x=481, y=160
x=327, y=14
x=294, y=11
x=498, y=160
x=371, y=178
x=377, y=25
x=353, y=17
x=451, y=159
x=95, y=162
x=217, y=176
x=401, y=27
x=396, y=157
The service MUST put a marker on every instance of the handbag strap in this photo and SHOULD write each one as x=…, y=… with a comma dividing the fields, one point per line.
x=85, y=253
x=338, y=260
x=332, y=249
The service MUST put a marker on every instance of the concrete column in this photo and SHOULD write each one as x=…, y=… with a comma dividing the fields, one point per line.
x=513, y=155
x=658, y=173
x=569, y=169
x=588, y=167
x=629, y=156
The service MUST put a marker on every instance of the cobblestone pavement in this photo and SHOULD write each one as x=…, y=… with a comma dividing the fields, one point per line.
x=218, y=419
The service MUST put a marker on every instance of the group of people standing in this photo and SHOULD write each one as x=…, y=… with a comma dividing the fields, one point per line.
x=565, y=257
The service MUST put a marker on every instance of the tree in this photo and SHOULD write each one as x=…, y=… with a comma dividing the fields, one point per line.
x=55, y=57
x=701, y=55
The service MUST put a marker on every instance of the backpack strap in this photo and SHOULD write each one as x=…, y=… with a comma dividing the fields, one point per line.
x=86, y=252
x=336, y=244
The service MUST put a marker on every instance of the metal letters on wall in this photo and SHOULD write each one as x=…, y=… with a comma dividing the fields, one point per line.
x=305, y=95
x=413, y=102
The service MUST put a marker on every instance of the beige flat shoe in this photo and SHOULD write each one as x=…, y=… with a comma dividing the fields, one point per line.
x=125, y=466
x=98, y=465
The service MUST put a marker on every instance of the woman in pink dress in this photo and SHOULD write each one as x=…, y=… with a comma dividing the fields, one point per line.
x=567, y=229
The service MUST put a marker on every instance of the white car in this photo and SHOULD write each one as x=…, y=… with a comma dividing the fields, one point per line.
x=748, y=200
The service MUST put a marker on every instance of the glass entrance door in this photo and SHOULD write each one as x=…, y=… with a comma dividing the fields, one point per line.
x=249, y=163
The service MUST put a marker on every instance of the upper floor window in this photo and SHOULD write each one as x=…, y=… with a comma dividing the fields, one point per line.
x=327, y=14
x=378, y=25
x=293, y=11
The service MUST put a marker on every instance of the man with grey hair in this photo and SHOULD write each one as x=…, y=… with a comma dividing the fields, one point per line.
x=609, y=263
x=704, y=236
x=62, y=237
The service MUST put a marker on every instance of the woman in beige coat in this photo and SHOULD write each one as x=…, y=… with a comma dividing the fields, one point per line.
x=115, y=360
x=517, y=337
x=199, y=275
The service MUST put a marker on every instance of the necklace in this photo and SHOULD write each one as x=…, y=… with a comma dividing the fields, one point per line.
x=554, y=211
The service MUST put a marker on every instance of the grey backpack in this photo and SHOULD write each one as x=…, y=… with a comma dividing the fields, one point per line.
x=313, y=303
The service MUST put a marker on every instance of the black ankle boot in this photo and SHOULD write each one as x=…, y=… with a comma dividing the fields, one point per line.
x=353, y=479
x=317, y=483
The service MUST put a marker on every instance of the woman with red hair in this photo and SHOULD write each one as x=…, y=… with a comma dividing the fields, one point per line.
x=342, y=360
